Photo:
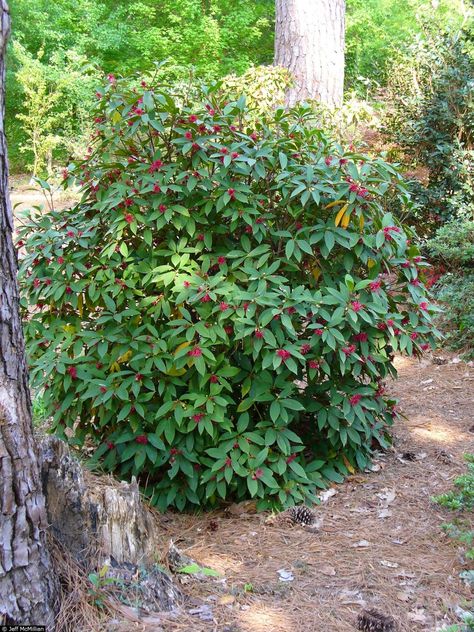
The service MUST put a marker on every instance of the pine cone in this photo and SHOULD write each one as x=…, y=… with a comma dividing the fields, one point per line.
x=374, y=621
x=300, y=515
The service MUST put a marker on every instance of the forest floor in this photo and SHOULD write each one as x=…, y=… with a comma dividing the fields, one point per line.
x=380, y=544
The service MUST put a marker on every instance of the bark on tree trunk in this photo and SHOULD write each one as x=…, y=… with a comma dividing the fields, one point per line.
x=27, y=585
x=309, y=41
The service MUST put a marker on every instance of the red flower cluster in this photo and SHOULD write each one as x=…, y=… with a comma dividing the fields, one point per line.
x=313, y=364
x=357, y=306
x=355, y=399
x=195, y=353
x=362, y=337
x=72, y=372
x=283, y=354
x=142, y=439
x=305, y=349
x=349, y=350
x=155, y=166
x=197, y=417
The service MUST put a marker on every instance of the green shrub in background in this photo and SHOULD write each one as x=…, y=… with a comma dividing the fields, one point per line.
x=56, y=97
x=461, y=501
x=218, y=312
x=430, y=118
x=452, y=250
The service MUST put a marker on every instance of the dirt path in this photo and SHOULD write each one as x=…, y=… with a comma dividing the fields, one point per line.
x=380, y=544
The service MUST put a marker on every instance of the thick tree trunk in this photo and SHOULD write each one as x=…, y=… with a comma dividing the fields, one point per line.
x=309, y=42
x=27, y=584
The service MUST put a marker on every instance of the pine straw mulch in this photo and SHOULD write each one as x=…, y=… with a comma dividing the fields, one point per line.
x=380, y=544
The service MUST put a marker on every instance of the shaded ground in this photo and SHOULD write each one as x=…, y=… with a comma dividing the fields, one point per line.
x=25, y=194
x=380, y=544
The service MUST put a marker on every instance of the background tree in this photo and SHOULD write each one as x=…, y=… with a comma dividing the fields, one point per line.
x=309, y=41
x=27, y=586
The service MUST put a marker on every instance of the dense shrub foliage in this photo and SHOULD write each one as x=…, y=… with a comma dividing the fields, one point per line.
x=217, y=314
x=452, y=252
x=431, y=120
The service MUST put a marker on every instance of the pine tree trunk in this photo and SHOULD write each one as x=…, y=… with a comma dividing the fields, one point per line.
x=309, y=42
x=27, y=584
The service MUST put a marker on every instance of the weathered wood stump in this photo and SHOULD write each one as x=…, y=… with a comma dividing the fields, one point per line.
x=99, y=520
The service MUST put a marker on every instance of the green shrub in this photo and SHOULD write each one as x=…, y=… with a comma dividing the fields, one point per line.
x=217, y=313
x=431, y=120
x=453, y=244
x=461, y=501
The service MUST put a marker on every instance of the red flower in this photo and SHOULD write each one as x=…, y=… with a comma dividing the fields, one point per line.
x=197, y=417
x=423, y=305
x=234, y=154
x=229, y=330
x=417, y=259
x=200, y=237
x=72, y=372
x=328, y=160
x=186, y=284
x=60, y=260
x=291, y=458
x=362, y=337
x=142, y=439
x=318, y=332
x=206, y=298
x=349, y=350
x=155, y=166
x=36, y=283
x=257, y=474
x=425, y=346
x=355, y=399
x=47, y=282
x=254, y=136
x=313, y=364
x=231, y=192
x=162, y=208
x=259, y=334
x=138, y=377
x=103, y=389
x=283, y=354
x=193, y=118
x=406, y=264
x=390, y=323
x=305, y=349
x=224, y=150
x=128, y=202
x=188, y=135
x=375, y=285
x=356, y=306
x=413, y=335
x=221, y=261
x=156, y=188
x=69, y=233
x=129, y=218
x=415, y=282
x=249, y=229
x=223, y=306
x=68, y=290
x=110, y=445
x=111, y=78
x=195, y=353
x=214, y=379
x=291, y=310
x=389, y=229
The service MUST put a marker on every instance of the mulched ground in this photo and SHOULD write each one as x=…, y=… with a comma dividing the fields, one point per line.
x=380, y=543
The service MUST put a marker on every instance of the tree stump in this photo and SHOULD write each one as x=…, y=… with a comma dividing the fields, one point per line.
x=99, y=520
